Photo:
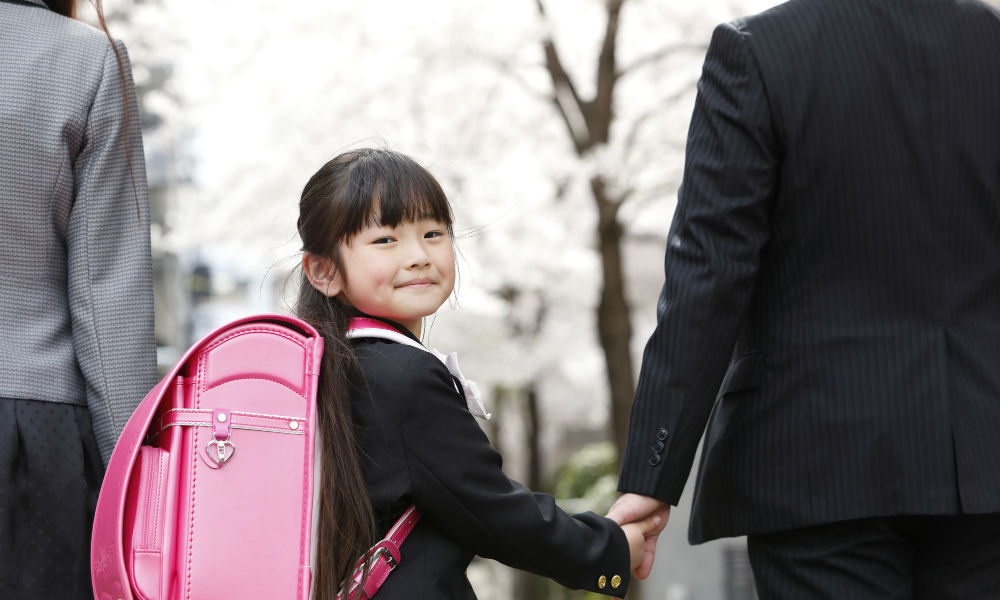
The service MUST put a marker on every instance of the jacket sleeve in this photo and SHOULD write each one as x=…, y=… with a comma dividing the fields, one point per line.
x=712, y=257
x=110, y=269
x=458, y=484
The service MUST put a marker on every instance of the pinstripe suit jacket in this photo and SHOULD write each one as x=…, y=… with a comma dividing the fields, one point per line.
x=831, y=307
x=75, y=274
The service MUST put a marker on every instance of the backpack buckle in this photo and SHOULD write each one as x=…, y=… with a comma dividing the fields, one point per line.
x=386, y=554
x=223, y=449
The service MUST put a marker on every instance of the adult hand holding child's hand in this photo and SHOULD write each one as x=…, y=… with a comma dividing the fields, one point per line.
x=642, y=518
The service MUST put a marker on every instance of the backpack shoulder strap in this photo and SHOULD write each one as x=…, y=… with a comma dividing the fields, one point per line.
x=384, y=555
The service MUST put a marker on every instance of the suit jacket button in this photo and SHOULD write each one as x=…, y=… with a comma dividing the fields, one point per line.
x=602, y=581
x=661, y=434
x=654, y=460
x=658, y=447
x=616, y=581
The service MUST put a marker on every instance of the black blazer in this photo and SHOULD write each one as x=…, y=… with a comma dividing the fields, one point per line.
x=419, y=444
x=837, y=244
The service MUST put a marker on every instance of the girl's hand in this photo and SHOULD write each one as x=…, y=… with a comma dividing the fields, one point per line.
x=636, y=533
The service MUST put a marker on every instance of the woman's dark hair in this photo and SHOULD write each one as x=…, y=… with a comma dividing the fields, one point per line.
x=67, y=8
x=354, y=190
x=64, y=7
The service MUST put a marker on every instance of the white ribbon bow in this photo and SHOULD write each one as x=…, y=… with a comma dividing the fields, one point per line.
x=473, y=396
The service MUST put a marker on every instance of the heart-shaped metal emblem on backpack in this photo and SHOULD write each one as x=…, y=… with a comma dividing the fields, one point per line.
x=218, y=453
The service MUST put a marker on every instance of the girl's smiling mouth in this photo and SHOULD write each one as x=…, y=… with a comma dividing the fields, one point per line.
x=420, y=282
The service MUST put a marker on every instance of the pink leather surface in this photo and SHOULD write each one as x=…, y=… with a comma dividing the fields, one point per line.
x=239, y=530
x=220, y=529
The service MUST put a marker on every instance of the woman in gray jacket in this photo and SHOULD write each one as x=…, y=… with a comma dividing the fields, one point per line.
x=76, y=312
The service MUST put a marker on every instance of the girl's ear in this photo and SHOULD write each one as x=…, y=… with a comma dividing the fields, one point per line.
x=322, y=274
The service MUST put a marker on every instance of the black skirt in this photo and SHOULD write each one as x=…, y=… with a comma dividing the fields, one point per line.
x=50, y=476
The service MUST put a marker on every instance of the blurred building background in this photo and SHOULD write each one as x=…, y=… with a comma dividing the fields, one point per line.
x=557, y=128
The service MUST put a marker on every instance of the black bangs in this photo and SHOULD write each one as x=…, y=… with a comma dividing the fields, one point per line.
x=388, y=188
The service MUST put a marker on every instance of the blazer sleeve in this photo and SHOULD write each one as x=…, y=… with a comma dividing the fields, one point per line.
x=720, y=225
x=458, y=485
x=110, y=268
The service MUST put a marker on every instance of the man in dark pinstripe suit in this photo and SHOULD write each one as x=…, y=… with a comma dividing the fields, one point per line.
x=831, y=309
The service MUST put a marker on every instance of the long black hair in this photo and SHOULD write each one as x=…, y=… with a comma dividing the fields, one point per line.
x=354, y=190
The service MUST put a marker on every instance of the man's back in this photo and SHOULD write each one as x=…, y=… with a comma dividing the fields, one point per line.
x=876, y=313
x=839, y=224
x=887, y=113
x=836, y=244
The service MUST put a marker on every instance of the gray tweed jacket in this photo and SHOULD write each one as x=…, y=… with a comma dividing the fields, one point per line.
x=76, y=300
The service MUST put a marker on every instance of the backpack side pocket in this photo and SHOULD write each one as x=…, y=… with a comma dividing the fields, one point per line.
x=144, y=549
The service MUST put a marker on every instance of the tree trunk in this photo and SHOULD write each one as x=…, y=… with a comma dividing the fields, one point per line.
x=614, y=325
x=529, y=586
x=533, y=434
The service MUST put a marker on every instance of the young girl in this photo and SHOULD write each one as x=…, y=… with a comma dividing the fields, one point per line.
x=376, y=230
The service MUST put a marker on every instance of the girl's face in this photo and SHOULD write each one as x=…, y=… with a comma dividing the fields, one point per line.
x=402, y=273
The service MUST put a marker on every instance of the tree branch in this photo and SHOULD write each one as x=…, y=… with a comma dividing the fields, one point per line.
x=653, y=193
x=635, y=129
x=659, y=55
x=603, y=106
x=564, y=95
x=505, y=68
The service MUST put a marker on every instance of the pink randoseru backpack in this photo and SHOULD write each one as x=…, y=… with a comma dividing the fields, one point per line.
x=209, y=492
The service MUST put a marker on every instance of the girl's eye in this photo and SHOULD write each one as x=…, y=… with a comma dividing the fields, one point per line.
x=383, y=240
x=433, y=234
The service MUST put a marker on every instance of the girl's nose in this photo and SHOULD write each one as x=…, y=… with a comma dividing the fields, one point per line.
x=418, y=256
